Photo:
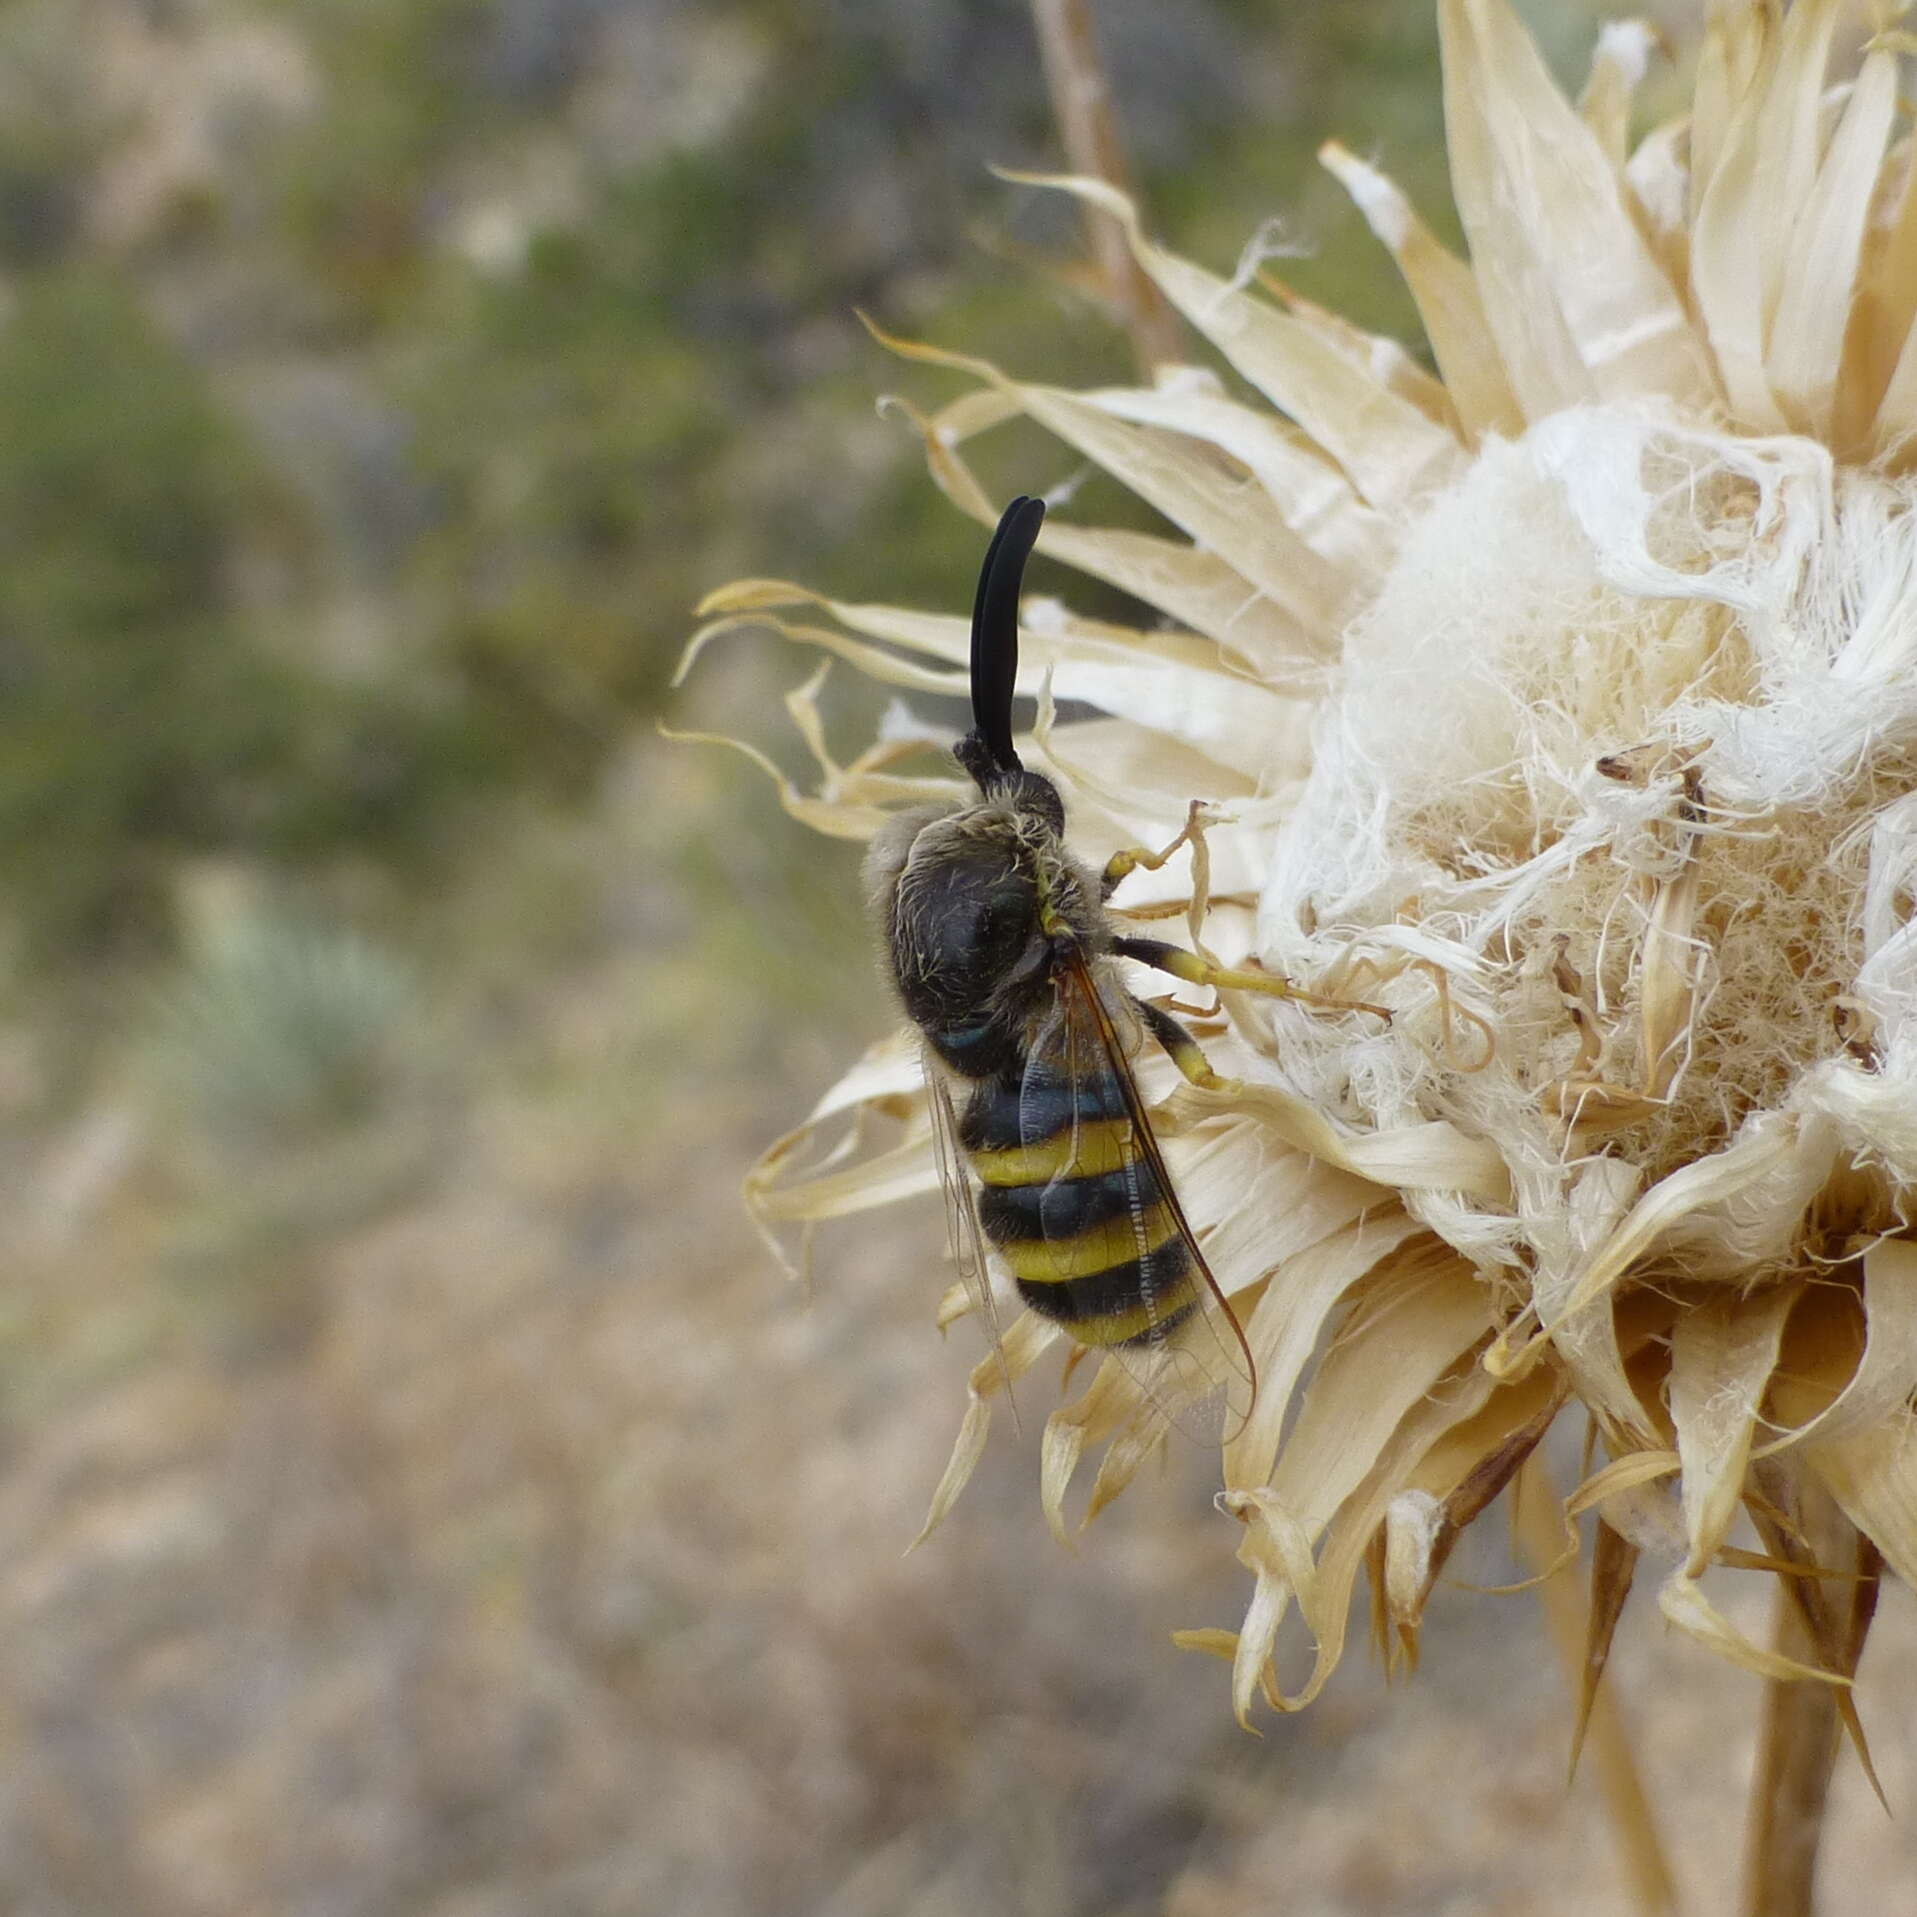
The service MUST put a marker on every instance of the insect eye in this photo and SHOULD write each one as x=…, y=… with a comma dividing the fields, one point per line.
x=1002, y=923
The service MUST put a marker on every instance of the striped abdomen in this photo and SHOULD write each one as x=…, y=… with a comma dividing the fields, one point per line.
x=1074, y=1206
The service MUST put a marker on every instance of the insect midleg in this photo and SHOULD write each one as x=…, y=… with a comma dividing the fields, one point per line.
x=1181, y=964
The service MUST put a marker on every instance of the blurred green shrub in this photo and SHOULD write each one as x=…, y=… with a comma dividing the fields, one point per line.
x=277, y=1027
x=133, y=719
x=143, y=717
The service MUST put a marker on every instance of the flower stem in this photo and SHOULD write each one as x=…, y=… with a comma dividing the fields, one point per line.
x=1796, y=1748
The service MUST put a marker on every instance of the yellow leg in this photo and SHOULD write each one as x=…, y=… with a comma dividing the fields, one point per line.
x=1132, y=857
x=1188, y=966
x=1181, y=1048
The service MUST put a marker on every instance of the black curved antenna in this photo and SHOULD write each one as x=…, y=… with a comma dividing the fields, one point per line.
x=986, y=751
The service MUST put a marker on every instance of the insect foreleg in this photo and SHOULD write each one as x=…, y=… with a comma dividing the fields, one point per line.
x=1194, y=970
x=1130, y=858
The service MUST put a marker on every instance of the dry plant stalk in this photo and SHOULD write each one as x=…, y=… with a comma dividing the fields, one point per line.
x=1566, y=703
x=1088, y=124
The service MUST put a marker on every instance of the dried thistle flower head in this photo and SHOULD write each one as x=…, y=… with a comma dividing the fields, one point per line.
x=1565, y=703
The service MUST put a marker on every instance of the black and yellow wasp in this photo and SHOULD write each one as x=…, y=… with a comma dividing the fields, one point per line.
x=1001, y=949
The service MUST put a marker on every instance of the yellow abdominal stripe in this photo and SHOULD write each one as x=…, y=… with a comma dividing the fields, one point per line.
x=1121, y=1327
x=1074, y=1151
x=1051, y=1261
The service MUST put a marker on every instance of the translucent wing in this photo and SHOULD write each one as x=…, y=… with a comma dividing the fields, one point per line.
x=1114, y=1257
x=961, y=1208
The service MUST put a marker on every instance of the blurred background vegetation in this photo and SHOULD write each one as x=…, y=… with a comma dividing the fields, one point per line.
x=421, y=1494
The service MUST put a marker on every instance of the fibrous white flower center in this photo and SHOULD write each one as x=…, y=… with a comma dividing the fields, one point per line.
x=1613, y=747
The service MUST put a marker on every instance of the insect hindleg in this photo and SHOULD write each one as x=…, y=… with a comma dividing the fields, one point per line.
x=1194, y=970
x=1181, y=1048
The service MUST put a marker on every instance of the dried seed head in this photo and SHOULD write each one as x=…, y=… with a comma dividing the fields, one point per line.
x=1567, y=706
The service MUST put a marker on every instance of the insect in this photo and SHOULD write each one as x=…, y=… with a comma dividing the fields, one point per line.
x=1000, y=947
